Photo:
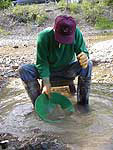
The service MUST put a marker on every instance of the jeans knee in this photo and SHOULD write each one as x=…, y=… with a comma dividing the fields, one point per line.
x=22, y=69
x=28, y=72
x=90, y=63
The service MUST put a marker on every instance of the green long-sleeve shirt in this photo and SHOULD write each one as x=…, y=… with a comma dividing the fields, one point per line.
x=53, y=56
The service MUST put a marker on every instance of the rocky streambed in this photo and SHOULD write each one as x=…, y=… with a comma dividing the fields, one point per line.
x=16, y=50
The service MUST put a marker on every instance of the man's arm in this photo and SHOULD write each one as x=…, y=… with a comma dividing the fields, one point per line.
x=42, y=61
x=42, y=56
x=80, y=49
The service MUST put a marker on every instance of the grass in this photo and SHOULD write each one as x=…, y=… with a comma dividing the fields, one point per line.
x=92, y=12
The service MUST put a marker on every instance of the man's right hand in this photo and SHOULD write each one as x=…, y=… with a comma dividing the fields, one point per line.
x=83, y=59
x=46, y=87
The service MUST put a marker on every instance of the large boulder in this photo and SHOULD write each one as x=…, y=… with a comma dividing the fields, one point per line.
x=102, y=51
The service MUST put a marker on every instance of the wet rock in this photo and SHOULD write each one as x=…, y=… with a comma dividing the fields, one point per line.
x=15, y=66
x=95, y=62
x=4, y=144
x=44, y=145
x=25, y=45
x=15, y=46
x=35, y=142
x=3, y=81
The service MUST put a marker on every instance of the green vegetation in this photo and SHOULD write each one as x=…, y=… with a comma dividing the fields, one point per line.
x=92, y=11
x=72, y=7
x=29, y=13
x=3, y=31
x=62, y=4
x=108, y=2
x=94, y=14
x=104, y=23
x=5, y=4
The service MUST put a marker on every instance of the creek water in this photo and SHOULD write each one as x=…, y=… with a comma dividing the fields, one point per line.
x=80, y=131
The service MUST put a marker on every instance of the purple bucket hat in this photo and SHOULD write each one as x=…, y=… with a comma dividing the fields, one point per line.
x=64, y=29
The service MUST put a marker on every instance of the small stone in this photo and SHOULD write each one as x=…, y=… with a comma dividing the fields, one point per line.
x=16, y=46
x=44, y=145
x=15, y=67
x=4, y=144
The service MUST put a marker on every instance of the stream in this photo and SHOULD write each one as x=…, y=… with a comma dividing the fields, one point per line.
x=89, y=131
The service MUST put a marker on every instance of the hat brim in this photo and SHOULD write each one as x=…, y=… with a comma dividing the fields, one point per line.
x=64, y=39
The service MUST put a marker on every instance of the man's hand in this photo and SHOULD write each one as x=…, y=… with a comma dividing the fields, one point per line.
x=83, y=59
x=46, y=87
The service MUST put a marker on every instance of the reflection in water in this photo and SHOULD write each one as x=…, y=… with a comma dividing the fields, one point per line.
x=91, y=131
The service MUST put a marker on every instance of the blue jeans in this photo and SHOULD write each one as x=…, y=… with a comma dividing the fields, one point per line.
x=29, y=75
x=28, y=72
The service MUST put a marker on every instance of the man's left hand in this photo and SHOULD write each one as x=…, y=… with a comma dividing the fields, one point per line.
x=83, y=59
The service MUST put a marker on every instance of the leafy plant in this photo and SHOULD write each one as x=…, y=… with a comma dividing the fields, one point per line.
x=108, y=2
x=91, y=11
x=62, y=4
x=104, y=23
x=28, y=13
x=74, y=7
x=5, y=4
x=3, y=31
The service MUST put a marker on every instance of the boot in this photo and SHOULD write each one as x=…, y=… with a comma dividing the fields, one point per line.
x=33, y=90
x=72, y=88
x=83, y=90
